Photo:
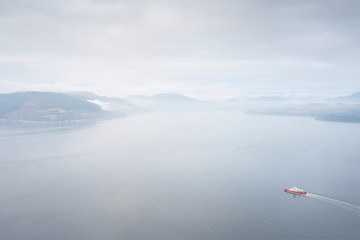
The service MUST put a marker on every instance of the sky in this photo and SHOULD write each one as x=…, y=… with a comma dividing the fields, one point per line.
x=205, y=48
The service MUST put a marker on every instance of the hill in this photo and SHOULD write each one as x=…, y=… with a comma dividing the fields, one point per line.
x=353, y=98
x=170, y=102
x=58, y=107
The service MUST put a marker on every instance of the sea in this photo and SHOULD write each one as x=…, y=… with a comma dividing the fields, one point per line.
x=181, y=175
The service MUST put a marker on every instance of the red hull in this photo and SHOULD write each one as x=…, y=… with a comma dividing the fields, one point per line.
x=290, y=191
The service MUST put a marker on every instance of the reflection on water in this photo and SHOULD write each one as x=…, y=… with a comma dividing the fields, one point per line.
x=181, y=176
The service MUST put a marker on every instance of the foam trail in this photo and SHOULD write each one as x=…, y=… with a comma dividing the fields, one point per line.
x=352, y=207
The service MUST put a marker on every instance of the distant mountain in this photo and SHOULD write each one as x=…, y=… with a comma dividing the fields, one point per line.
x=336, y=112
x=46, y=106
x=248, y=103
x=340, y=109
x=78, y=106
x=353, y=98
x=174, y=97
x=264, y=102
x=58, y=107
x=352, y=115
x=170, y=102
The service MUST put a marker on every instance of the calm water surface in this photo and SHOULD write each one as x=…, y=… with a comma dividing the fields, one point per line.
x=212, y=175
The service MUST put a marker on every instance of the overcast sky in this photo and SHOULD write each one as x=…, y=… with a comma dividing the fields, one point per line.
x=204, y=48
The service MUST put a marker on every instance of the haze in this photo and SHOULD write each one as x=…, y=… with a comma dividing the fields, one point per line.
x=179, y=119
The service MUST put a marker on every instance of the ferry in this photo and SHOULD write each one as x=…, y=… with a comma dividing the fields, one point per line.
x=295, y=190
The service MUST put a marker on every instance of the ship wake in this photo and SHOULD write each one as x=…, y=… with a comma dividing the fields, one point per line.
x=349, y=206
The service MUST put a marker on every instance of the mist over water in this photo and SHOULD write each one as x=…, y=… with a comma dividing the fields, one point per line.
x=190, y=175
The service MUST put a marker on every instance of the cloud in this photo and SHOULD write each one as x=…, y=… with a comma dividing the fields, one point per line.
x=147, y=46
